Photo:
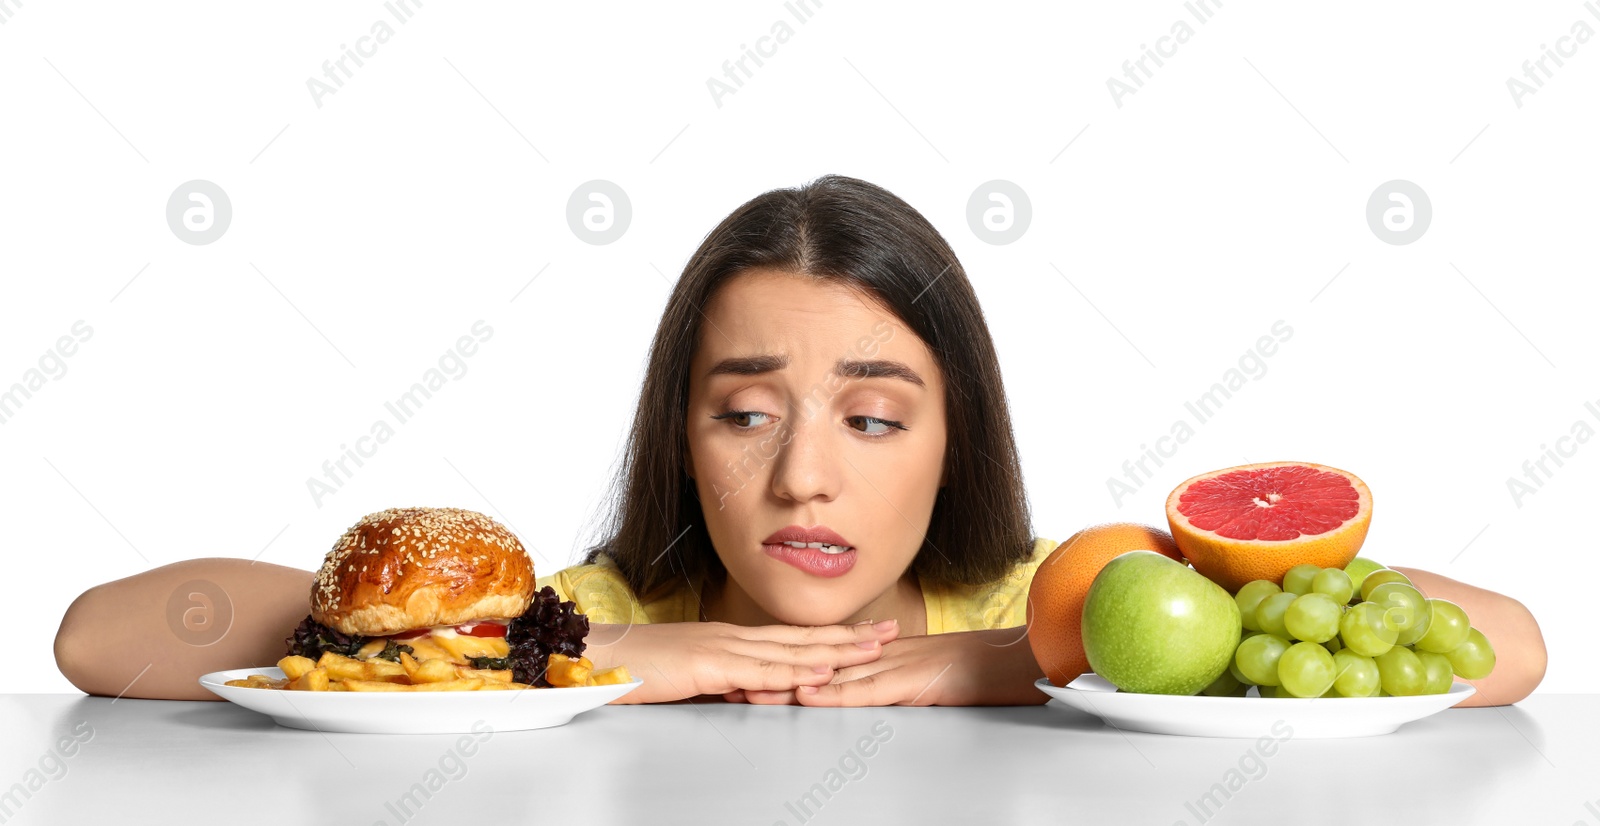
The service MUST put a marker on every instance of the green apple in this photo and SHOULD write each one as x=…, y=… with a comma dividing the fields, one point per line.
x=1154, y=626
x=1358, y=570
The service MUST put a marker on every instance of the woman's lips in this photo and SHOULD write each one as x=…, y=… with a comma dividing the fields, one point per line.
x=799, y=533
x=812, y=560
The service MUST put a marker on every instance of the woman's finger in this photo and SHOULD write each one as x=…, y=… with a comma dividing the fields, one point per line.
x=833, y=656
x=820, y=634
x=893, y=686
x=856, y=672
x=770, y=698
x=841, y=676
x=739, y=672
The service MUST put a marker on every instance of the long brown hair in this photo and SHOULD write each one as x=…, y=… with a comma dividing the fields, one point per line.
x=855, y=233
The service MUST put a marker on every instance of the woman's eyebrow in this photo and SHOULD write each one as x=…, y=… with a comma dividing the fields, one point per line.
x=877, y=369
x=748, y=366
x=850, y=368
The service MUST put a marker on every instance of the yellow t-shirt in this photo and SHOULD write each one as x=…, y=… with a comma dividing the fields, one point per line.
x=602, y=594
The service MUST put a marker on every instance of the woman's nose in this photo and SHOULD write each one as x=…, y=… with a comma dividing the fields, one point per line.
x=807, y=466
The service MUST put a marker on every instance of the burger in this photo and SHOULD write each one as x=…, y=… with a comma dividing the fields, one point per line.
x=437, y=583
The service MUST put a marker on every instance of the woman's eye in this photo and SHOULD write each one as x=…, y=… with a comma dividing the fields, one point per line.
x=742, y=419
x=875, y=426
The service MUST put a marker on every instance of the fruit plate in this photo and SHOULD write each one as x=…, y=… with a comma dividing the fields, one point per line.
x=1249, y=717
x=413, y=712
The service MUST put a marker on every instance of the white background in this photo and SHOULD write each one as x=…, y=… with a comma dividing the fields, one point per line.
x=371, y=232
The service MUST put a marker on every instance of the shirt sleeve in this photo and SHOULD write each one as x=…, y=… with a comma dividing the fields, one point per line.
x=1006, y=604
x=600, y=593
x=1001, y=603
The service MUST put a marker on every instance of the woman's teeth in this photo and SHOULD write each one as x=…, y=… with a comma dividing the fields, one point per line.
x=821, y=546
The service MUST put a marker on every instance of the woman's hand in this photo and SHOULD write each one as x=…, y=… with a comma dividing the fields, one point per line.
x=683, y=660
x=966, y=668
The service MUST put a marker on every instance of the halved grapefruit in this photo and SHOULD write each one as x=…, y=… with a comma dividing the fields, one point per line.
x=1258, y=521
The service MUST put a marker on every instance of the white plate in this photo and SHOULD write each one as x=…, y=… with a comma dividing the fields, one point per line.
x=413, y=712
x=1251, y=716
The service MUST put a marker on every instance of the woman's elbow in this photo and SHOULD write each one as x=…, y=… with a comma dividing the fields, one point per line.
x=106, y=654
x=74, y=646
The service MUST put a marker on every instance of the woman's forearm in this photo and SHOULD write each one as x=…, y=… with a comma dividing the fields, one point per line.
x=153, y=634
x=1520, y=656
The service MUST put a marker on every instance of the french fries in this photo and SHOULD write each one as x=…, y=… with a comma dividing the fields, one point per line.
x=314, y=680
x=442, y=685
x=616, y=675
x=563, y=671
x=497, y=675
x=335, y=672
x=428, y=671
x=293, y=667
x=260, y=681
x=346, y=668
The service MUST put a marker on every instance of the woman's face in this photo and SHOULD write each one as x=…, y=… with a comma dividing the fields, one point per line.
x=811, y=405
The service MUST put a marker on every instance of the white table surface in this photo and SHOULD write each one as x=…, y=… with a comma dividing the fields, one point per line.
x=151, y=761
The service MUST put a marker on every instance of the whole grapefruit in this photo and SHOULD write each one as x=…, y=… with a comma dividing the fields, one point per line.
x=1258, y=521
x=1062, y=580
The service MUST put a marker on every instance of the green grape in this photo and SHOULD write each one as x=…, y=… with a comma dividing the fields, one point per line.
x=1358, y=570
x=1224, y=686
x=1473, y=659
x=1400, y=672
x=1335, y=583
x=1298, y=579
x=1251, y=596
x=1448, y=629
x=1363, y=631
x=1405, y=608
x=1258, y=656
x=1333, y=645
x=1438, y=675
x=1377, y=578
x=1306, y=669
x=1409, y=636
x=1313, y=618
x=1281, y=693
x=1233, y=668
x=1357, y=675
x=1269, y=614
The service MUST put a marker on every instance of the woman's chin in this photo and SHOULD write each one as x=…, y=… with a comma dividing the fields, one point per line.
x=810, y=613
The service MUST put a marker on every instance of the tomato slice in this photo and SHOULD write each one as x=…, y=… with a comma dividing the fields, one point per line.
x=471, y=629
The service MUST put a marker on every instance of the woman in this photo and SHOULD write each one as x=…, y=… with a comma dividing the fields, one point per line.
x=821, y=501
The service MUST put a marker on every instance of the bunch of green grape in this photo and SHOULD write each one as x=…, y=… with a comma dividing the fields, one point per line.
x=1360, y=631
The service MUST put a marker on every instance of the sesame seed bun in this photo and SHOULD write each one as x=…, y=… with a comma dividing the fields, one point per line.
x=407, y=568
